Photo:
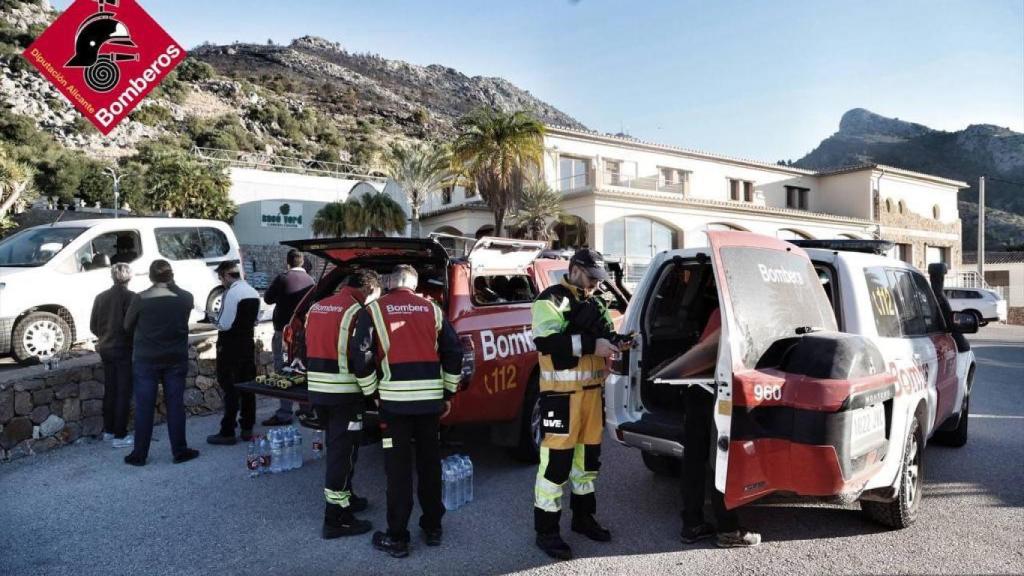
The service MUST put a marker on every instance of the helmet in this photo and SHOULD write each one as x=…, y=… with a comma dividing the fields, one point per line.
x=97, y=31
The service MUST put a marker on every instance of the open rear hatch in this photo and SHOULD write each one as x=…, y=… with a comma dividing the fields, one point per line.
x=800, y=407
x=376, y=253
x=495, y=256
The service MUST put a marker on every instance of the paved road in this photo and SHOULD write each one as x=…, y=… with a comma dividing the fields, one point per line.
x=81, y=511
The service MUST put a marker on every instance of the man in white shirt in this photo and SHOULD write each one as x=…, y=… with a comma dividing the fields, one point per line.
x=236, y=353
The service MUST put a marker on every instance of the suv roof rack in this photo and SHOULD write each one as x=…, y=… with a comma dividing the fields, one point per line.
x=881, y=247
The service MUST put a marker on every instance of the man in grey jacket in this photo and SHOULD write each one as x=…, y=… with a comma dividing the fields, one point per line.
x=158, y=320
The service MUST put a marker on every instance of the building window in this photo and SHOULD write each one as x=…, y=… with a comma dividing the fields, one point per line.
x=635, y=240
x=673, y=180
x=888, y=205
x=613, y=170
x=903, y=253
x=572, y=173
x=741, y=190
x=936, y=212
x=470, y=190
x=934, y=254
x=446, y=195
x=796, y=197
x=902, y=207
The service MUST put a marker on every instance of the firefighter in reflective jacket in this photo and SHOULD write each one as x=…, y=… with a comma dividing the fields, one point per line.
x=406, y=354
x=574, y=335
x=337, y=398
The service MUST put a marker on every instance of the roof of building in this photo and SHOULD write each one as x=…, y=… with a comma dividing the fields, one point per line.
x=995, y=257
x=894, y=170
x=746, y=162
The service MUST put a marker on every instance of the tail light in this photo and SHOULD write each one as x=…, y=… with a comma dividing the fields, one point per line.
x=468, y=360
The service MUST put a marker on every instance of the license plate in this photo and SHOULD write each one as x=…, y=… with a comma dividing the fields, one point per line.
x=867, y=430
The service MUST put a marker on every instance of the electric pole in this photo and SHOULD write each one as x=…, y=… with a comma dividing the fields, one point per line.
x=112, y=172
x=981, y=229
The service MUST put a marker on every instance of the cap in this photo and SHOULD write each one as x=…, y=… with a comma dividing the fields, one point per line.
x=591, y=261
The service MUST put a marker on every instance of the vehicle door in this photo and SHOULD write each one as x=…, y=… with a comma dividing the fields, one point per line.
x=90, y=271
x=943, y=346
x=500, y=325
x=768, y=291
x=183, y=247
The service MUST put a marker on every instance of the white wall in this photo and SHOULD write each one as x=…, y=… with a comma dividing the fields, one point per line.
x=920, y=197
x=846, y=194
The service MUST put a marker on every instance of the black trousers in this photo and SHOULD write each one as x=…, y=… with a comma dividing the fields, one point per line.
x=697, y=428
x=233, y=401
x=117, y=394
x=344, y=432
x=404, y=435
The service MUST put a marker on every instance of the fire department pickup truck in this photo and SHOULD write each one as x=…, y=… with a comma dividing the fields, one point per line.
x=836, y=365
x=487, y=297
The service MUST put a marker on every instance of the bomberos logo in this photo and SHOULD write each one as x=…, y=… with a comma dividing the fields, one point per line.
x=105, y=56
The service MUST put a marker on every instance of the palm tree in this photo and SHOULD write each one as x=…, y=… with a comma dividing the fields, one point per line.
x=497, y=150
x=537, y=205
x=339, y=219
x=381, y=215
x=421, y=170
x=15, y=178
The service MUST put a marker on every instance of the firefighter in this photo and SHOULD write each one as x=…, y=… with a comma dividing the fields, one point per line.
x=574, y=335
x=409, y=357
x=337, y=399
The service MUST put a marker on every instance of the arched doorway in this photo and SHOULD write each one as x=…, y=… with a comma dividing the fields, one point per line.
x=454, y=246
x=790, y=234
x=634, y=240
x=487, y=230
x=700, y=238
x=569, y=233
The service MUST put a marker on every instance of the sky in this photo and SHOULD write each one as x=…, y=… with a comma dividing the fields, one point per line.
x=765, y=80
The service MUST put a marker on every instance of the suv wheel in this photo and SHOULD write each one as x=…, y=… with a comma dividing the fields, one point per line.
x=663, y=465
x=213, y=303
x=40, y=334
x=902, y=511
x=530, y=435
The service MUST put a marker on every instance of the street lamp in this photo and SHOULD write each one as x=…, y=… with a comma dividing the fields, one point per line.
x=112, y=172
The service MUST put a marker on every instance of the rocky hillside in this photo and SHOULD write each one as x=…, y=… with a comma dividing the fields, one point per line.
x=979, y=149
x=311, y=98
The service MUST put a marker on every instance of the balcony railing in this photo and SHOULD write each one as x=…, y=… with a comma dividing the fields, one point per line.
x=651, y=183
x=575, y=182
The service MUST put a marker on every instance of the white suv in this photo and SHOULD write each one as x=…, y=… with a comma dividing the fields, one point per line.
x=832, y=362
x=50, y=275
x=986, y=305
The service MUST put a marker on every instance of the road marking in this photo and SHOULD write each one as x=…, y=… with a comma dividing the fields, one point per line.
x=997, y=416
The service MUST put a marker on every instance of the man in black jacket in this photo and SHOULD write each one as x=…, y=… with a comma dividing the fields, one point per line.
x=158, y=320
x=236, y=353
x=285, y=292
x=115, y=348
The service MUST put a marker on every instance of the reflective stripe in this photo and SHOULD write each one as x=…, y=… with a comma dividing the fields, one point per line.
x=338, y=497
x=451, y=381
x=329, y=377
x=411, y=395
x=412, y=384
x=438, y=318
x=368, y=384
x=344, y=331
x=571, y=375
x=582, y=480
x=546, y=494
x=333, y=387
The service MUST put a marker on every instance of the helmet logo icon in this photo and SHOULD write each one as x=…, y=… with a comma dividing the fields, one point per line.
x=94, y=36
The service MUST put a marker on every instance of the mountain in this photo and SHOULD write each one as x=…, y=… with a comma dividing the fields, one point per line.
x=311, y=98
x=979, y=149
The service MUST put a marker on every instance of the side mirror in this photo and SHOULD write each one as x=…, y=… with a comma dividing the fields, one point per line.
x=965, y=323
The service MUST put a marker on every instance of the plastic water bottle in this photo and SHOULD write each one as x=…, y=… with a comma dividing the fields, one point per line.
x=252, y=459
x=276, y=451
x=460, y=483
x=264, y=453
x=318, y=444
x=289, y=448
x=469, y=477
x=448, y=484
x=298, y=447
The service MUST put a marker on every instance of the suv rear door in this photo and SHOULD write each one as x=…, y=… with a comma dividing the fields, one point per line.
x=768, y=290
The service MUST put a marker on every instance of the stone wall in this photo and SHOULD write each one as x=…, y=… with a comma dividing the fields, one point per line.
x=262, y=263
x=1015, y=315
x=42, y=410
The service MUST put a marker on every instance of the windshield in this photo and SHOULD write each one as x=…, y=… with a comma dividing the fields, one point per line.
x=36, y=246
x=773, y=294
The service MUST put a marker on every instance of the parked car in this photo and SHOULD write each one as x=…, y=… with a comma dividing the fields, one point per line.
x=835, y=363
x=487, y=297
x=50, y=275
x=986, y=305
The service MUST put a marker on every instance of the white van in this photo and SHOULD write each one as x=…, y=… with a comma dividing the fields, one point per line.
x=50, y=274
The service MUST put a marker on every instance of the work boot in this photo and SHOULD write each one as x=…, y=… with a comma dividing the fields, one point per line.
x=340, y=522
x=591, y=528
x=222, y=439
x=245, y=434
x=554, y=546
x=694, y=534
x=740, y=538
x=357, y=503
x=433, y=536
x=394, y=548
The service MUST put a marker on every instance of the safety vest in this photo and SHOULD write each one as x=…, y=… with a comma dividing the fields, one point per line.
x=407, y=328
x=329, y=324
x=553, y=313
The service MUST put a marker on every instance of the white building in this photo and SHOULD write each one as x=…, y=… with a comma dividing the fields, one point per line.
x=632, y=199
